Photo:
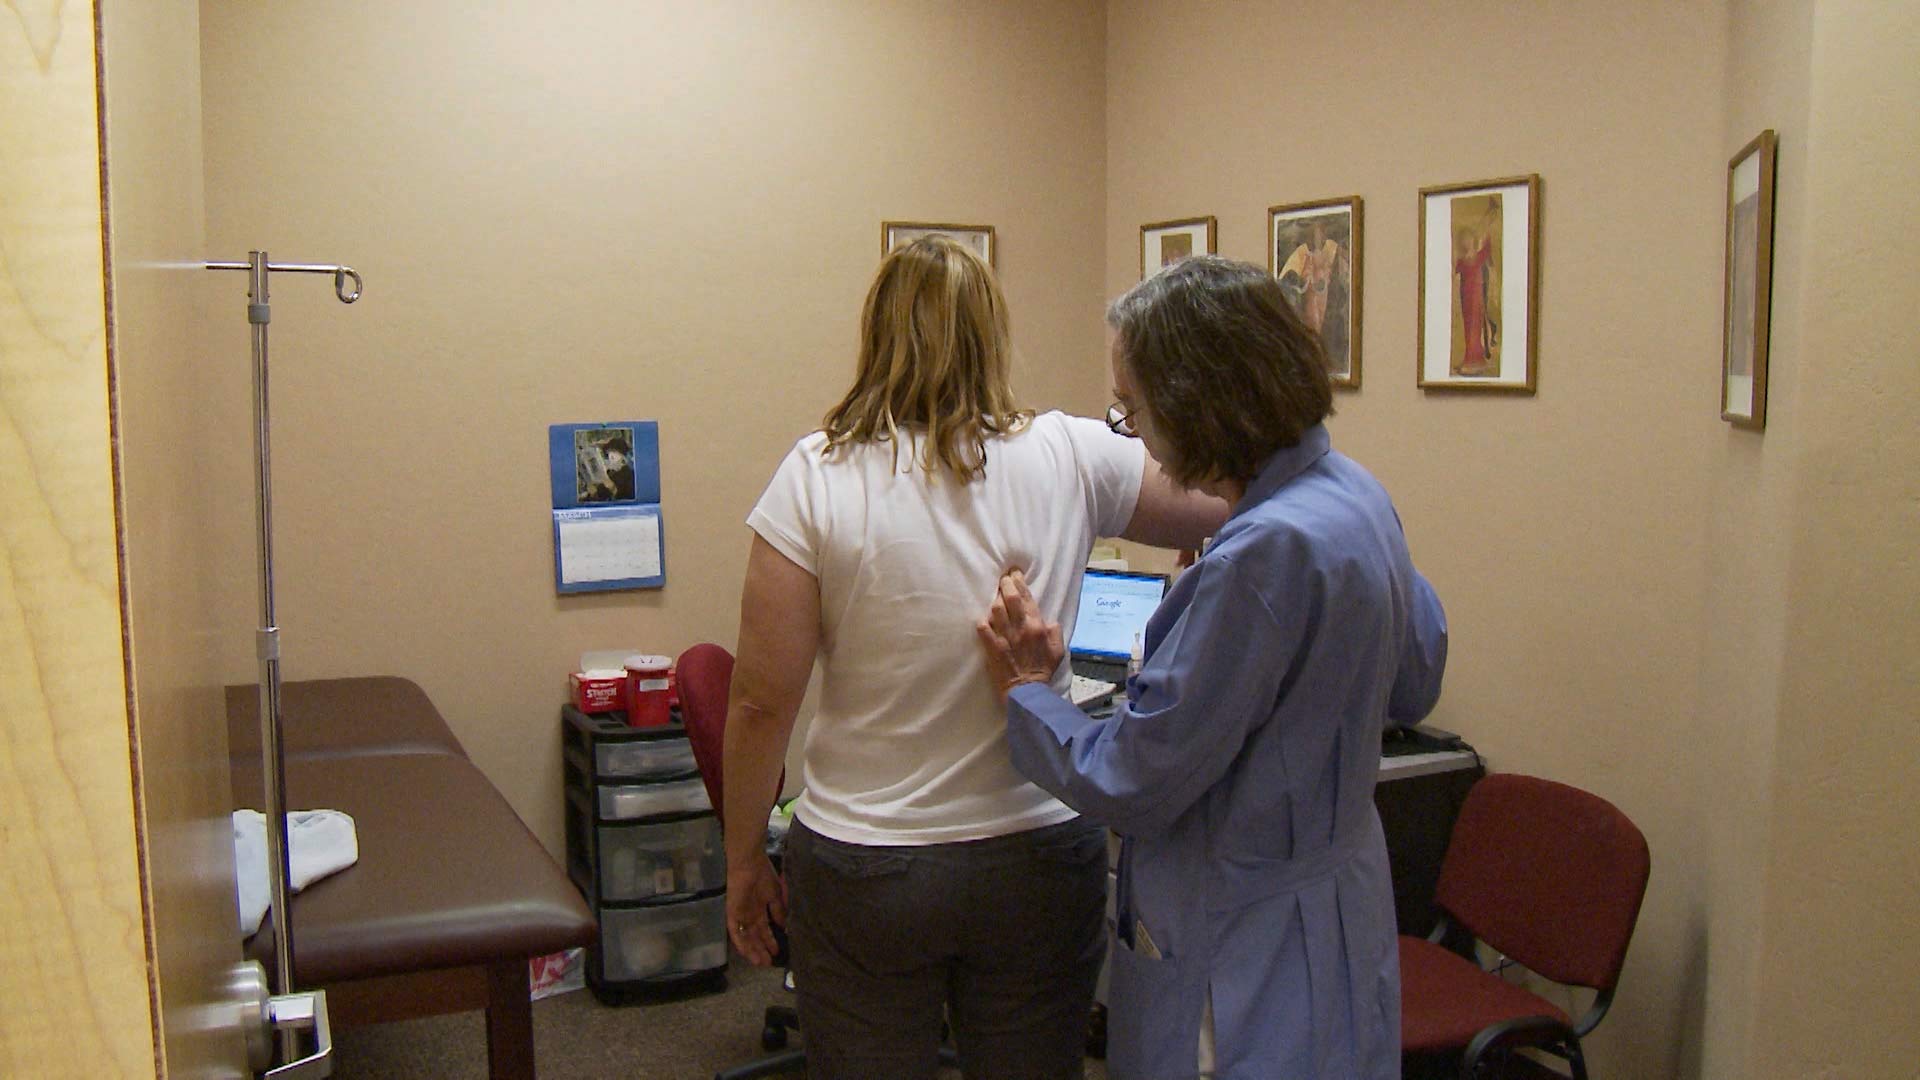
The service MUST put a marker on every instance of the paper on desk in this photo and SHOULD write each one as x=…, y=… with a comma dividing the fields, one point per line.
x=603, y=547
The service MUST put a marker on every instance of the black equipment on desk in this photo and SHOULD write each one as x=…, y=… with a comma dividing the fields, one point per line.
x=1425, y=774
x=1419, y=739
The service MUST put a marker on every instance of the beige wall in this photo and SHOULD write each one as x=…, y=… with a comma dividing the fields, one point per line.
x=1714, y=628
x=659, y=211
x=1842, y=897
x=73, y=952
x=1566, y=532
x=1752, y=476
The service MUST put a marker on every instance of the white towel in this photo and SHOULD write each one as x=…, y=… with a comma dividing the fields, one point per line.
x=319, y=842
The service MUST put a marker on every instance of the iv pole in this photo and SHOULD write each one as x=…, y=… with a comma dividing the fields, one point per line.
x=267, y=638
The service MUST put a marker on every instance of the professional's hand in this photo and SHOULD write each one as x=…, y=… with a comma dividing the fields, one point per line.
x=755, y=895
x=1021, y=646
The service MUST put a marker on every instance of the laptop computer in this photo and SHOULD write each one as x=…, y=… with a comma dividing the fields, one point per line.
x=1114, y=607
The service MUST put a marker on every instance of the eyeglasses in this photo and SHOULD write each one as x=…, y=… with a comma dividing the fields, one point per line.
x=1120, y=420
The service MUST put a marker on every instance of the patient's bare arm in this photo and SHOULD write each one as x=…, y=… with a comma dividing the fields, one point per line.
x=1170, y=516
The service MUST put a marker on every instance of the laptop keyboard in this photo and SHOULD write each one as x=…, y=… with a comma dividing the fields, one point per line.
x=1086, y=691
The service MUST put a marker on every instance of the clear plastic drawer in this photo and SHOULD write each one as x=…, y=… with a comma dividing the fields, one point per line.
x=669, y=939
x=621, y=802
x=647, y=862
x=650, y=759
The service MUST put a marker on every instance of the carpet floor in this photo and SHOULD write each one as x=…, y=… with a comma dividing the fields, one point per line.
x=577, y=1038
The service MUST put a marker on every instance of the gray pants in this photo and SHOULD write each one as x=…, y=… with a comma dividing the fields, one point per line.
x=1002, y=937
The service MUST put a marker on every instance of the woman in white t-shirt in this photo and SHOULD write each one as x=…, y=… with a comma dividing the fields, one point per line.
x=925, y=877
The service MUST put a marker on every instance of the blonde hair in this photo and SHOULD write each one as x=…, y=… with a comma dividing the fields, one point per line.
x=935, y=357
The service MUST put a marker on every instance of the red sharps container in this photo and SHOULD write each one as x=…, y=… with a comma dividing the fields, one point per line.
x=647, y=691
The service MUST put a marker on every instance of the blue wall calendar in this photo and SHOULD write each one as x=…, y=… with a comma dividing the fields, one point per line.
x=606, y=506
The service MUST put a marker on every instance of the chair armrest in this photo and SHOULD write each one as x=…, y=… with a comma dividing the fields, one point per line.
x=1454, y=938
x=1490, y=1049
x=1591, y=1019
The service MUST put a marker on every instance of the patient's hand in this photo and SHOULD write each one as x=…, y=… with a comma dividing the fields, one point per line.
x=756, y=898
x=1021, y=646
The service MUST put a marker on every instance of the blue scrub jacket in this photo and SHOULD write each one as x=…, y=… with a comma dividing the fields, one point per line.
x=1239, y=773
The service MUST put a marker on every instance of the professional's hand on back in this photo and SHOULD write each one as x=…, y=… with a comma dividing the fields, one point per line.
x=1021, y=646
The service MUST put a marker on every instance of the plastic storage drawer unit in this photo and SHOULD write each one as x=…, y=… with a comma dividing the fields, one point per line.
x=624, y=802
x=657, y=861
x=657, y=759
x=663, y=941
x=643, y=845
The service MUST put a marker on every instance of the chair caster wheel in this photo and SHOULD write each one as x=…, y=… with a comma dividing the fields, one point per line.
x=773, y=1037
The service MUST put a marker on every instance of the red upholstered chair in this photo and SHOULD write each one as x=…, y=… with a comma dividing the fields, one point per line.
x=1548, y=876
x=704, y=674
x=702, y=677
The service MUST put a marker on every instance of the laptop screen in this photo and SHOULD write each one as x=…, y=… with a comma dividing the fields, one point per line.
x=1114, y=606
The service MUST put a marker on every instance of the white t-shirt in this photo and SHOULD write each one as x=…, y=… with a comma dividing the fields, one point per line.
x=908, y=744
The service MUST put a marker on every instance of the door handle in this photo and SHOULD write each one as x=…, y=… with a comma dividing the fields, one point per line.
x=289, y=1016
x=298, y=1012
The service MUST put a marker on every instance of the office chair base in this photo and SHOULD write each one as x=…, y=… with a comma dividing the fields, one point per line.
x=779, y=1020
x=775, y=1025
x=795, y=1061
x=789, y=1063
x=1097, y=1032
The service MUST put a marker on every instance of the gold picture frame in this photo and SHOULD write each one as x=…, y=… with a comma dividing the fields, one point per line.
x=1479, y=300
x=1166, y=242
x=978, y=237
x=1748, y=298
x=1314, y=251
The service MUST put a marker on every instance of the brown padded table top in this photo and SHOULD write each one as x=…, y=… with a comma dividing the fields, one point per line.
x=448, y=874
x=377, y=714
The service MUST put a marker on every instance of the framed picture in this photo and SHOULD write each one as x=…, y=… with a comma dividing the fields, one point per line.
x=1749, y=291
x=978, y=237
x=1479, y=285
x=1167, y=242
x=1314, y=249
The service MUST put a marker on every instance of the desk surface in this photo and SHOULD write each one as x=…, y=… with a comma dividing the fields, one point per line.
x=1397, y=767
x=1407, y=766
x=1404, y=762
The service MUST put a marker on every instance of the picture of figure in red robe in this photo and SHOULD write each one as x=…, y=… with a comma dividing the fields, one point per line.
x=1476, y=285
